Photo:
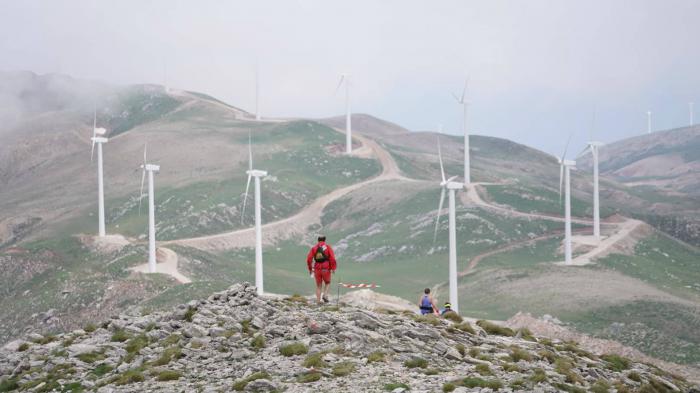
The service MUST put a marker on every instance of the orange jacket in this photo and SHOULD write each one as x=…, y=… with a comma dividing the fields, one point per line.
x=329, y=254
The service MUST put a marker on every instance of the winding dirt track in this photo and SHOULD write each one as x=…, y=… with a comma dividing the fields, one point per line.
x=297, y=224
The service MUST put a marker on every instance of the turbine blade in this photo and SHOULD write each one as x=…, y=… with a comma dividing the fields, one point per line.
x=563, y=156
x=456, y=98
x=452, y=178
x=145, y=146
x=94, y=117
x=584, y=151
x=340, y=83
x=92, y=152
x=437, y=218
x=245, y=198
x=143, y=178
x=442, y=169
x=464, y=91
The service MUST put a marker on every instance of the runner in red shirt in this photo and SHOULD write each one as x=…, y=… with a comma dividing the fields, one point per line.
x=323, y=259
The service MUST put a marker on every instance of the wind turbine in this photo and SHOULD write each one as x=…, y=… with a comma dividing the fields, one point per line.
x=691, y=112
x=348, y=122
x=565, y=167
x=98, y=139
x=150, y=169
x=465, y=104
x=257, y=174
x=593, y=147
x=451, y=186
x=648, y=122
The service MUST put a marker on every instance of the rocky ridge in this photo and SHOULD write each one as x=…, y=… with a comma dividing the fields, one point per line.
x=237, y=341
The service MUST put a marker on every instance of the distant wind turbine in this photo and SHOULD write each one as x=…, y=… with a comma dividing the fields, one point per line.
x=98, y=139
x=565, y=167
x=348, y=122
x=257, y=174
x=451, y=186
x=150, y=169
x=692, y=112
x=465, y=105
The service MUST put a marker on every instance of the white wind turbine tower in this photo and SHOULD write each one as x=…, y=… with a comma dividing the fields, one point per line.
x=452, y=187
x=465, y=105
x=98, y=139
x=594, y=147
x=691, y=112
x=348, y=122
x=150, y=169
x=257, y=174
x=565, y=167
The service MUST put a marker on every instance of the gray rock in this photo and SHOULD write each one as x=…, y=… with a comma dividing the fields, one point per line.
x=216, y=331
x=261, y=385
x=193, y=330
x=79, y=349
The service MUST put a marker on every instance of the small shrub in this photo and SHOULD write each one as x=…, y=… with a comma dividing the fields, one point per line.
x=453, y=316
x=102, y=369
x=120, y=336
x=44, y=340
x=473, y=382
x=91, y=357
x=8, y=384
x=518, y=384
x=167, y=356
x=428, y=318
x=416, y=363
x=241, y=384
x=136, y=344
x=474, y=352
x=621, y=387
x=538, y=376
x=565, y=367
x=511, y=368
x=68, y=342
x=518, y=354
x=395, y=385
x=258, y=342
x=526, y=334
x=483, y=369
x=376, y=356
x=547, y=355
x=634, y=376
x=246, y=328
x=190, y=313
x=130, y=376
x=449, y=387
x=546, y=341
x=169, y=375
x=311, y=376
x=601, y=386
x=431, y=371
x=492, y=328
x=465, y=327
x=171, y=340
x=150, y=326
x=315, y=360
x=196, y=344
x=616, y=362
x=568, y=388
x=573, y=348
x=230, y=332
x=343, y=368
x=294, y=349
x=460, y=348
x=23, y=347
x=297, y=298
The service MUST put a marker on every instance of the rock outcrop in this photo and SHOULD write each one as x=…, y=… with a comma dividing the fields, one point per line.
x=237, y=341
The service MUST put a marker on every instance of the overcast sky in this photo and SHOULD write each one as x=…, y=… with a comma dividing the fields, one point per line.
x=538, y=69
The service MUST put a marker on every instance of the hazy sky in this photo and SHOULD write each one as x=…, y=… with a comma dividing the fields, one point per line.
x=537, y=68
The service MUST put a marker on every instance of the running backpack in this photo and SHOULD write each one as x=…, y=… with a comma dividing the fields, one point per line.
x=320, y=255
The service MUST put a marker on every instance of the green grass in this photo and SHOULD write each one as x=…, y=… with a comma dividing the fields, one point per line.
x=538, y=200
x=169, y=375
x=616, y=362
x=120, y=336
x=91, y=357
x=343, y=369
x=315, y=360
x=129, y=377
x=168, y=355
x=395, y=385
x=102, y=369
x=376, y=356
x=492, y=328
x=294, y=349
x=663, y=262
x=308, y=377
x=241, y=383
x=258, y=342
x=416, y=362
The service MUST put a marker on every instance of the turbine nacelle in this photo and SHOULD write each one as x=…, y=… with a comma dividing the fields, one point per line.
x=99, y=139
x=453, y=185
x=256, y=173
x=99, y=131
x=569, y=163
x=151, y=167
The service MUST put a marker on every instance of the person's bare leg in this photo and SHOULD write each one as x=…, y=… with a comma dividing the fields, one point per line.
x=325, y=289
x=318, y=292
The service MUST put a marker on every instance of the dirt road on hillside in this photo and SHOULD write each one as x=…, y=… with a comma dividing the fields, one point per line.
x=298, y=223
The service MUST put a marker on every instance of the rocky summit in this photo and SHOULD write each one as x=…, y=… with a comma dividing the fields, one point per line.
x=238, y=341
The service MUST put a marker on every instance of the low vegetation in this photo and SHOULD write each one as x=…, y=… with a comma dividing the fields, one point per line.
x=294, y=349
x=492, y=328
x=242, y=383
x=416, y=363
